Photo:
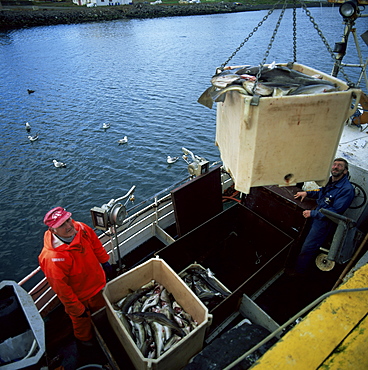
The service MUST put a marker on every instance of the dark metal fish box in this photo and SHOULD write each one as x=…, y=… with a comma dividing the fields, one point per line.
x=243, y=249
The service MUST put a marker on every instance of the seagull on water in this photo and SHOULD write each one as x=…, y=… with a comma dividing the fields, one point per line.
x=123, y=140
x=172, y=159
x=28, y=127
x=30, y=91
x=58, y=164
x=106, y=126
x=33, y=138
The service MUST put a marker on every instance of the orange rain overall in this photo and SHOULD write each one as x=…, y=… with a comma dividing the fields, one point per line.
x=75, y=273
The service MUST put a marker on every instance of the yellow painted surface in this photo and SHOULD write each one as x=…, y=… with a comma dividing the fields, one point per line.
x=314, y=339
x=352, y=353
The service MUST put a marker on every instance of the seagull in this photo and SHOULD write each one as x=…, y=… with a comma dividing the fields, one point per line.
x=106, y=126
x=30, y=91
x=28, y=127
x=123, y=140
x=33, y=138
x=172, y=159
x=58, y=164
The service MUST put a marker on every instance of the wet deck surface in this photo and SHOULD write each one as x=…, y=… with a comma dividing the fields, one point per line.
x=62, y=347
x=231, y=345
x=289, y=295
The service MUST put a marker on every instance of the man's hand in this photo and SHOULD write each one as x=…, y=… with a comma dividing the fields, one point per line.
x=85, y=313
x=108, y=270
x=300, y=194
x=307, y=213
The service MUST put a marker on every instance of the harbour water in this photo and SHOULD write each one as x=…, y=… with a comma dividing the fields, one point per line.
x=143, y=77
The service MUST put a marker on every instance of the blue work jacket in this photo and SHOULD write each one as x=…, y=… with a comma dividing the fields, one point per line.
x=335, y=197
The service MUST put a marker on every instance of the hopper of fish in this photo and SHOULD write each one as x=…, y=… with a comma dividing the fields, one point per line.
x=282, y=139
x=137, y=279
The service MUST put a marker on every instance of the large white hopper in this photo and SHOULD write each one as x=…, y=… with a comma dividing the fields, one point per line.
x=282, y=140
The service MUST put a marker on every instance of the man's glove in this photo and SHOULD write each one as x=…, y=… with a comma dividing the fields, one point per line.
x=85, y=313
x=108, y=269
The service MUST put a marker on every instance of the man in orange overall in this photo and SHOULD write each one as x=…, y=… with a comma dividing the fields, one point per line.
x=71, y=260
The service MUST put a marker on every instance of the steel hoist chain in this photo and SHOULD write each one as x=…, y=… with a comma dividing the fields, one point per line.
x=294, y=31
x=255, y=29
x=323, y=38
x=267, y=52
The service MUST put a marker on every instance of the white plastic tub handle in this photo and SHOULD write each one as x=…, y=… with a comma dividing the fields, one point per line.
x=356, y=94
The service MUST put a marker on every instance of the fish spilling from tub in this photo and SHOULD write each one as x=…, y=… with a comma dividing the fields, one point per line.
x=156, y=321
x=270, y=81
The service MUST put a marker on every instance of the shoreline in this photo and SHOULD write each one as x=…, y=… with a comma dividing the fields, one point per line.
x=15, y=17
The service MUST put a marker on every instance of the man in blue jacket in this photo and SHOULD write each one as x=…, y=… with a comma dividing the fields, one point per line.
x=336, y=197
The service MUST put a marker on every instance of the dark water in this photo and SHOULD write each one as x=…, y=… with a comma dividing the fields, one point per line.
x=144, y=78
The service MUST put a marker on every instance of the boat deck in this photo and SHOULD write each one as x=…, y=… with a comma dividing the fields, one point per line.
x=283, y=299
x=248, y=250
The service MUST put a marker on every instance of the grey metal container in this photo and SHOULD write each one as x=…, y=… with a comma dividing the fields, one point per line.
x=24, y=344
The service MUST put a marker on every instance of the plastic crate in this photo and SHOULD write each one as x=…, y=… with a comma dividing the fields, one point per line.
x=156, y=269
x=196, y=265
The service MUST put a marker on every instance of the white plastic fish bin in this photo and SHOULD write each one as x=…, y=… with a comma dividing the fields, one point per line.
x=283, y=140
x=223, y=291
x=22, y=333
x=180, y=353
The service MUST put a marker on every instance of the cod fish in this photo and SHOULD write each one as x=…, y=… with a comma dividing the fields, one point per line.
x=132, y=297
x=283, y=75
x=222, y=80
x=216, y=95
x=139, y=333
x=160, y=318
x=159, y=338
x=153, y=318
x=209, y=279
x=261, y=89
x=273, y=80
x=205, y=98
x=314, y=89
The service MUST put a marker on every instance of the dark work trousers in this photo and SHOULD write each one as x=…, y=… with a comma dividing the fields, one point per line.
x=320, y=230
